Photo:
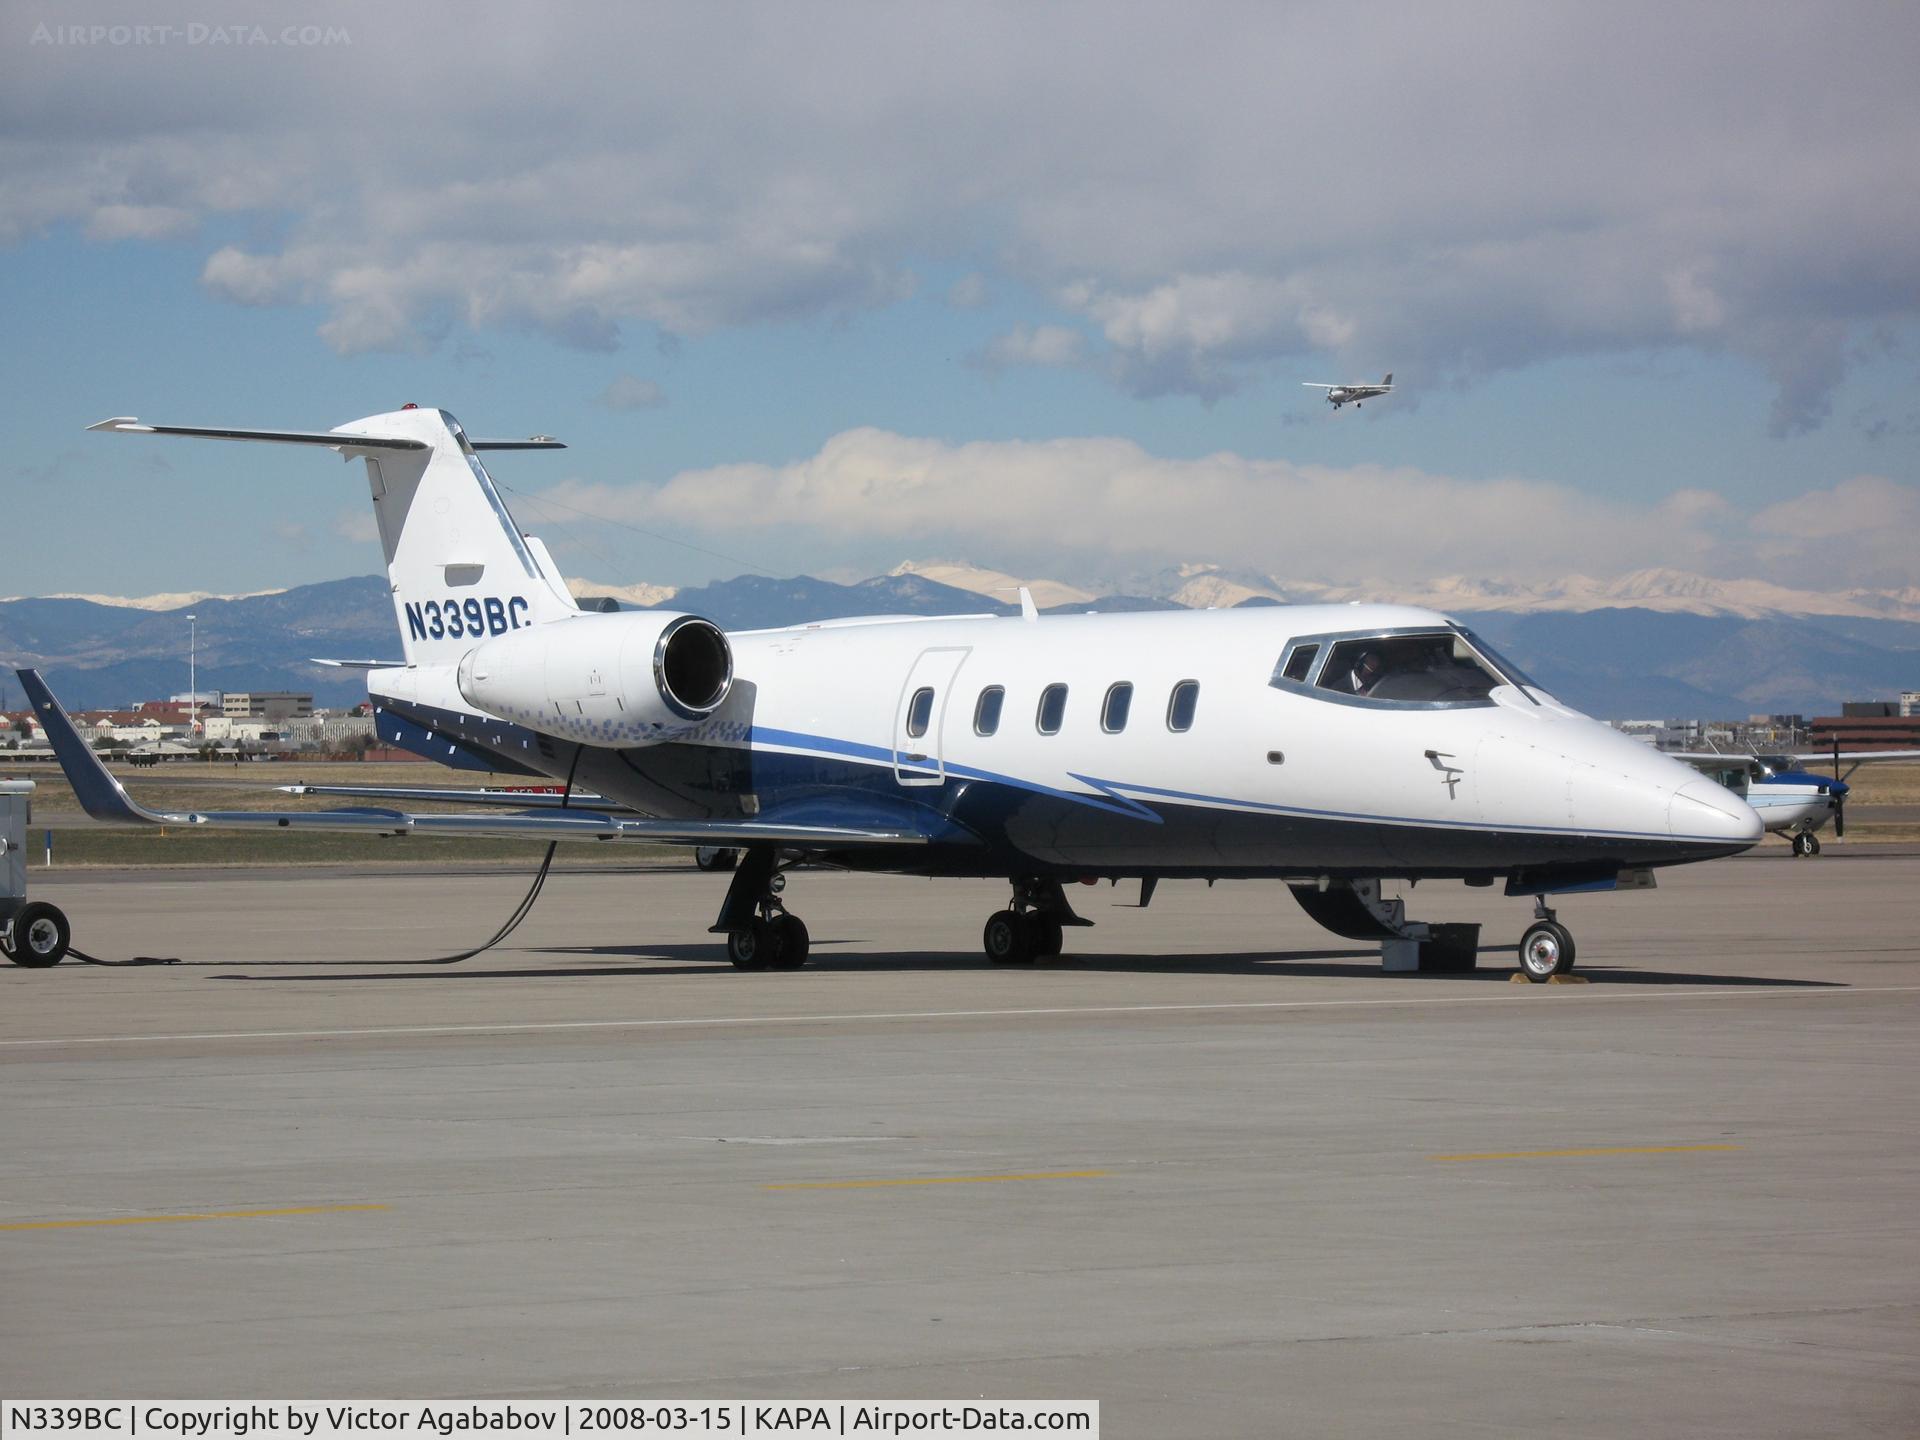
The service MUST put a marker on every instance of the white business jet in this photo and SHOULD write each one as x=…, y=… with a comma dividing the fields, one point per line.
x=1329, y=747
x=1338, y=395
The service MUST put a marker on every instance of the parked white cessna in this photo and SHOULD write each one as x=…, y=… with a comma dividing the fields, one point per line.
x=1789, y=799
x=1338, y=395
x=1330, y=747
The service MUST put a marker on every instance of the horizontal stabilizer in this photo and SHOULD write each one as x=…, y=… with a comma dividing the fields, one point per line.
x=127, y=425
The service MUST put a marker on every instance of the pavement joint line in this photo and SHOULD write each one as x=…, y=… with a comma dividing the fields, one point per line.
x=936, y=1180
x=1596, y=1150
x=1503, y=996
x=173, y=1219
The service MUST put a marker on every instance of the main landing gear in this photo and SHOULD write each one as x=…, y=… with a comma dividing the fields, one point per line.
x=1805, y=843
x=1032, y=927
x=1546, y=949
x=761, y=933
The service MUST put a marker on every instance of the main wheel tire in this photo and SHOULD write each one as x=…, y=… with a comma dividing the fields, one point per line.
x=793, y=946
x=714, y=857
x=1813, y=843
x=40, y=936
x=754, y=947
x=1047, y=935
x=1008, y=938
x=1546, y=950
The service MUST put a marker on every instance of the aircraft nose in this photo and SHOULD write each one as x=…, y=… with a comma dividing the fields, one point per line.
x=1702, y=810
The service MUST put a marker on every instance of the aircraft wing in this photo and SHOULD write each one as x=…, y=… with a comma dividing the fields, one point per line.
x=105, y=798
x=1317, y=385
x=1708, y=760
x=1853, y=757
x=525, y=799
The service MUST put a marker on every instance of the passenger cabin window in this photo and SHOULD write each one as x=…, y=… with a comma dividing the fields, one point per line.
x=1432, y=669
x=919, y=712
x=986, y=710
x=1113, y=714
x=1181, y=705
x=1053, y=709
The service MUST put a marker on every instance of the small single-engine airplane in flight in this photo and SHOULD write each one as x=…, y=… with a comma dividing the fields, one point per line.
x=1330, y=747
x=1790, y=800
x=1338, y=395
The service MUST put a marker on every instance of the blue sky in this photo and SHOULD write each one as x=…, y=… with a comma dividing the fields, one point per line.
x=978, y=282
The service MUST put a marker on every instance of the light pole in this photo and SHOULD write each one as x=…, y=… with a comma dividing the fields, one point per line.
x=193, y=670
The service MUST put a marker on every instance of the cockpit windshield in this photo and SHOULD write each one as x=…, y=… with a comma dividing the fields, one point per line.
x=1431, y=669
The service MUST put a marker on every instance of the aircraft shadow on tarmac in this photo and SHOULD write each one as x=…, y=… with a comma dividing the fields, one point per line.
x=703, y=960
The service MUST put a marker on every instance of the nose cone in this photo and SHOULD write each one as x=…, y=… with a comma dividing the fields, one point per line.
x=1703, y=811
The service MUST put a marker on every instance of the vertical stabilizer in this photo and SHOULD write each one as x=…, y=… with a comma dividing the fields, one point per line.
x=458, y=567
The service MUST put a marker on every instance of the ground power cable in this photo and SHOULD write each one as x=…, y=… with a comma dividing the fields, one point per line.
x=513, y=921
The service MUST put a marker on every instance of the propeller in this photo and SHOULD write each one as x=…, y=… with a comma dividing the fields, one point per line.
x=1839, y=796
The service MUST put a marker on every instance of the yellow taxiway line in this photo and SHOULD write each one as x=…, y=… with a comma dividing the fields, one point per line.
x=1603, y=1150
x=173, y=1219
x=936, y=1180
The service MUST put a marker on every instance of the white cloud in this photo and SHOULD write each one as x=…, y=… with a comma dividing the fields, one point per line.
x=139, y=222
x=1043, y=345
x=1471, y=189
x=1087, y=506
x=630, y=392
x=969, y=292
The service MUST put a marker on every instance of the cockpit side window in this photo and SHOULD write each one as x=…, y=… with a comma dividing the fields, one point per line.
x=1436, y=668
x=1299, y=662
x=1425, y=669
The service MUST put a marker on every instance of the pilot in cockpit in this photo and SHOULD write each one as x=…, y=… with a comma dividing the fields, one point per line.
x=1366, y=672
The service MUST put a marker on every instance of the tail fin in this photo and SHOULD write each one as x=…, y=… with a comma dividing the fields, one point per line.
x=458, y=567
x=1389, y=379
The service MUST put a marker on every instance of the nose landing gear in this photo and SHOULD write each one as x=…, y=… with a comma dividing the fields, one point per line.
x=1805, y=843
x=1547, y=948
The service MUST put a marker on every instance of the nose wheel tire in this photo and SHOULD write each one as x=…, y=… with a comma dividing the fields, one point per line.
x=1806, y=843
x=1009, y=938
x=1546, y=950
x=40, y=936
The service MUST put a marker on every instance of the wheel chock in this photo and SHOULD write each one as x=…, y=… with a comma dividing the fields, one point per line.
x=1518, y=979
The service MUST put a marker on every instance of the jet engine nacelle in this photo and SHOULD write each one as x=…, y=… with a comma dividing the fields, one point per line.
x=637, y=678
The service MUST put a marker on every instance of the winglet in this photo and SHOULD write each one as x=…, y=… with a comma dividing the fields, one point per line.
x=1029, y=612
x=100, y=795
x=123, y=422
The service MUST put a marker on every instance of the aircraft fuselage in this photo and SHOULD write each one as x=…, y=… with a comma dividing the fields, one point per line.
x=1269, y=776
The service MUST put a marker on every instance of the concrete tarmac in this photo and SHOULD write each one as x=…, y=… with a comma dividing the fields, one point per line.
x=1210, y=1168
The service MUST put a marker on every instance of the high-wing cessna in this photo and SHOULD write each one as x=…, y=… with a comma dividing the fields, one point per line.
x=1789, y=799
x=1329, y=747
x=1338, y=395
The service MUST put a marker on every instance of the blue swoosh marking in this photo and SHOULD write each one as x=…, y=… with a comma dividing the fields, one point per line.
x=1110, y=799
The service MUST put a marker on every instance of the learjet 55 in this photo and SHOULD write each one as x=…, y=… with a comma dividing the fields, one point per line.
x=1329, y=747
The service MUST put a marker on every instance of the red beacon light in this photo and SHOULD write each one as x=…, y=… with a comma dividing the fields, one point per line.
x=409, y=406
